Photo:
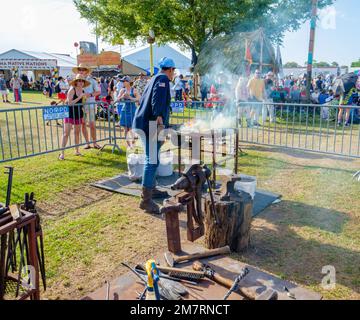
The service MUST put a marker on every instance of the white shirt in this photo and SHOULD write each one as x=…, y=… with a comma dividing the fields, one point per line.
x=93, y=87
x=119, y=86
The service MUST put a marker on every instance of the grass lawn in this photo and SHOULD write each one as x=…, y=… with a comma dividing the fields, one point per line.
x=89, y=232
x=30, y=99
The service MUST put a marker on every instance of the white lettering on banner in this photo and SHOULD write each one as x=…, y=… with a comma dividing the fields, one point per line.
x=177, y=107
x=34, y=64
x=55, y=113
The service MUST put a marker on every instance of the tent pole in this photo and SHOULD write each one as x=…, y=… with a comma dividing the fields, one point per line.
x=311, y=48
x=261, y=50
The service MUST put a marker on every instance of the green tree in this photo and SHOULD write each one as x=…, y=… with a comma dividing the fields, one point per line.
x=334, y=64
x=192, y=23
x=322, y=64
x=291, y=65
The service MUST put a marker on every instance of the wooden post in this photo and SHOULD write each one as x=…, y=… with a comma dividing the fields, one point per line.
x=173, y=231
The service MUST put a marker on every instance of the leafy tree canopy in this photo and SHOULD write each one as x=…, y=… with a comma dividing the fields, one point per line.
x=291, y=65
x=192, y=23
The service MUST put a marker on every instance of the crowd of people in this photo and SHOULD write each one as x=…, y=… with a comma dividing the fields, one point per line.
x=340, y=91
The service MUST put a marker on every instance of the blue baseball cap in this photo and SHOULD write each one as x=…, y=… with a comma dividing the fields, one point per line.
x=166, y=63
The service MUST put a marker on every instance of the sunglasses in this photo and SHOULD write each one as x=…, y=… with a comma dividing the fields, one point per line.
x=82, y=69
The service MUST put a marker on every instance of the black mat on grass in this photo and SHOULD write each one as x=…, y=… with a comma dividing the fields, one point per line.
x=122, y=184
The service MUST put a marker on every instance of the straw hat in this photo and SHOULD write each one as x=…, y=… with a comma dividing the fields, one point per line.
x=79, y=78
x=81, y=66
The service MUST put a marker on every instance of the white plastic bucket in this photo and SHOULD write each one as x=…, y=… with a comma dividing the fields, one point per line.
x=135, y=164
x=166, y=166
x=247, y=184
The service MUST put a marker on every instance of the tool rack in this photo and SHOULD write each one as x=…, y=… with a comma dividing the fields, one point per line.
x=8, y=226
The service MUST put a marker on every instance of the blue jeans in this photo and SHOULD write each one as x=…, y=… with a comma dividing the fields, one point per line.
x=151, y=161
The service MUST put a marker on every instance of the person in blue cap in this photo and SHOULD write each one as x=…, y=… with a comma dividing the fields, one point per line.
x=150, y=118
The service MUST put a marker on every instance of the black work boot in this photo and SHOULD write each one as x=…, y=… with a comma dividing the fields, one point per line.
x=147, y=204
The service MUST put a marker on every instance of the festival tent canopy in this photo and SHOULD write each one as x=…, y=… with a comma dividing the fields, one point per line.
x=37, y=61
x=141, y=57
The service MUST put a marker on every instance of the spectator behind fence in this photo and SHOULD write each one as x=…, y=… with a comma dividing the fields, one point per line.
x=16, y=85
x=104, y=88
x=92, y=91
x=140, y=84
x=3, y=89
x=127, y=98
x=76, y=98
x=268, y=108
x=178, y=88
x=256, y=87
x=242, y=96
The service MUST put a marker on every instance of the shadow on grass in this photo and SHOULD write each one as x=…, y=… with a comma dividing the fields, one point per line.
x=297, y=153
x=293, y=242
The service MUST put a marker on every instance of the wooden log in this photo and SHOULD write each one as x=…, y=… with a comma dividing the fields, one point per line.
x=234, y=225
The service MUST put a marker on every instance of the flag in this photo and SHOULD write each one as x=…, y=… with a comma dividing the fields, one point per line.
x=248, y=57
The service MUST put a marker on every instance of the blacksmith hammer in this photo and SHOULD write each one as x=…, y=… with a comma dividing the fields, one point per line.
x=248, y=293
x=169, y=259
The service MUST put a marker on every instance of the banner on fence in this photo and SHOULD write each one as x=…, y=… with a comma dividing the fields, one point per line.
x=177, y=107
x=55, y=113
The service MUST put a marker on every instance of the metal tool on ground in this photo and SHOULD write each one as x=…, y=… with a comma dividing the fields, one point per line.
x=235, y=285
x=139, y=268
x=268, y=294
x=183, y=273
x=107, y=290
x=169, y=291
x=192, y=183
x=226, y=282
x=169, y=259
x=289, y=294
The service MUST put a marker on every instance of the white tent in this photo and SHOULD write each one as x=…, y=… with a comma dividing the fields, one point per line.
x=37, y=61
x=140, y=57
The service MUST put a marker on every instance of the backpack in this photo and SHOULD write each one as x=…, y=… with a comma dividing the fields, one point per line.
x=57, y=88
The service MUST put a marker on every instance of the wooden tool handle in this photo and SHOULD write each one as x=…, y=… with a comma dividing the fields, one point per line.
x=223, y=281
x=189, y=271
x=246, y=292
x=209, y=253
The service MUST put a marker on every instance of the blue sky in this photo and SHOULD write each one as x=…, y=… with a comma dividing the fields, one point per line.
x=334, y=42
x=54, y=26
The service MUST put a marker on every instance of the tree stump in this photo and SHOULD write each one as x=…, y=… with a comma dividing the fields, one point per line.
x=234, y=225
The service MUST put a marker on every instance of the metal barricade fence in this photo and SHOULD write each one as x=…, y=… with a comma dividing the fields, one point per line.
x=31, y=131
x=27, y=132
x=329, y=129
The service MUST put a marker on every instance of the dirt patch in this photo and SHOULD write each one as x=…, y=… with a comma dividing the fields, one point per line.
x=71, y=200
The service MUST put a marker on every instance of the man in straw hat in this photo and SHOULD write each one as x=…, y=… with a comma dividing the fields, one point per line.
x=92, y=91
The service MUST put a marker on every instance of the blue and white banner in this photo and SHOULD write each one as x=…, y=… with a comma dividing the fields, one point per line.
x=55, y=113
x=177, y=107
